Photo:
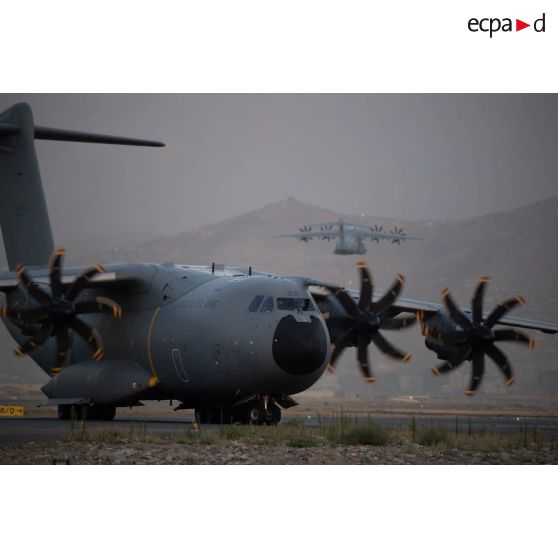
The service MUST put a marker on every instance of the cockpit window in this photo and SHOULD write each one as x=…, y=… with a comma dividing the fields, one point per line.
x=295, y=304
x=255, y=304
x=267, y=305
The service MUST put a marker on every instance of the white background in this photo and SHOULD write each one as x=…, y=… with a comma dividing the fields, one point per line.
x=273, y=46
x=287, y=46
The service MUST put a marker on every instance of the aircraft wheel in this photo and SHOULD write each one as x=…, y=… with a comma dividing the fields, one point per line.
x=209, y=415
x=213, y=415
x=106, y=413
x=85, y=412
x=273, y=414
x=73, y=412
x=255, y=413
x=205, y=416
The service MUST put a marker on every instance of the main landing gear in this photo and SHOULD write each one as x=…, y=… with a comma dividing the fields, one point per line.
x=85, y=412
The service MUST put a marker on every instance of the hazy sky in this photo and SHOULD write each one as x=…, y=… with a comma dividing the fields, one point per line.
x=401, y=156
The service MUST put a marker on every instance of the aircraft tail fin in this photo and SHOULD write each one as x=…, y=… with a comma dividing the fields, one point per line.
x=24, y=216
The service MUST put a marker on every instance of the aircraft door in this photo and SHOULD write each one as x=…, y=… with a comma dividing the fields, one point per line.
x=178, y=366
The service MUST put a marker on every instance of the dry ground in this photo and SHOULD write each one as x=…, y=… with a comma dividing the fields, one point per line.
x=345, y=442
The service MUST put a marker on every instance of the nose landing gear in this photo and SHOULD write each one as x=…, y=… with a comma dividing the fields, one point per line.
x=257, y=411
x=260, y=411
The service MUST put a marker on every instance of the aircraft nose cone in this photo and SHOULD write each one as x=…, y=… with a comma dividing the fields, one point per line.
x=299, y=347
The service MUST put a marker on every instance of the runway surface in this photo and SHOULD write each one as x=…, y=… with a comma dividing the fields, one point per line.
x=35, y=429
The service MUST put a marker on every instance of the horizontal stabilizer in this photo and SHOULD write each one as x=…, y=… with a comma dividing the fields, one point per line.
x=55, y=134
x=7, y=129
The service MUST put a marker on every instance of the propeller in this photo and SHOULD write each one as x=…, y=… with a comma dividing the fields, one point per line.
x=56, y=314
x=363, y=322
x=398, y=232
x=326, y=228
x=377, y=229
x=476, y=337
x=305, y=229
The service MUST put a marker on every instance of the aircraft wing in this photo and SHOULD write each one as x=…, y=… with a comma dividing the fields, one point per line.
x=428, y=309
x=330, y=224
x=309, y=234
x=115, y=274
x=369, y=233
x=7, y=283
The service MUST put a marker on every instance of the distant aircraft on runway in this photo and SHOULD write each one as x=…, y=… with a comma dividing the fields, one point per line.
x=349, y=236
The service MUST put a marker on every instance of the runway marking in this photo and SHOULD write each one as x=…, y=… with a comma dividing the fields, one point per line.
x=11, y=410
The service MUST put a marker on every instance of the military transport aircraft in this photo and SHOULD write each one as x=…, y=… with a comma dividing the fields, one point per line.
x=348, y=236
x=229, y=342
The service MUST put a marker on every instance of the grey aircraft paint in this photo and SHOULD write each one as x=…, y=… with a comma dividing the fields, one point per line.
x=194, y=331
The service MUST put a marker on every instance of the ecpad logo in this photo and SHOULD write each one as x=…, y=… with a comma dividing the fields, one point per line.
x=494, y=24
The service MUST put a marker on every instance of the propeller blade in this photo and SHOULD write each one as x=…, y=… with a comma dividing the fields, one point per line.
x=36, y=341
x=99, y=304
x=388, y=349
x=503, y=309
x=21, y=315
x=455, y=360
x=340, y=345
x=54, y=269
x=340, y=322
x=63, y=343
x=363, y=364
x=397, y=232
x=387, y=300
x=346, y=301
x=458, y=317
x=366, y=287
x=501, y=360
x=397, y=323
x=81, y=280
x=91, y=336
x=513, y=335
x=478, y=372
x=476, y=303
x=31, y=288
